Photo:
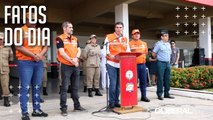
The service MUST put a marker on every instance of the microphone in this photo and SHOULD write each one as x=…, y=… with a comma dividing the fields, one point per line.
x=113, y=40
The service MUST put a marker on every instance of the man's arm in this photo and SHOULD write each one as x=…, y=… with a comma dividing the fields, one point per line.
x=128, y=47
x=146, y=51
x=154, y=55
x=76, y=60
x=64, y=55
x=42, y=53
x=79, y=52
x=151, y=59
x=26, y=52
x=60, y=47
x=178, y=56
x=106, y=47
x=155, y=50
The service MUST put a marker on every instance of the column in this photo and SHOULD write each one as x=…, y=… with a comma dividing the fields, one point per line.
x=205, y=38
x=122, y=15
x=53, y=47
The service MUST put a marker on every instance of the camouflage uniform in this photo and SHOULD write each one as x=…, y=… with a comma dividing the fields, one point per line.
x=92, y=56
x=6, y=55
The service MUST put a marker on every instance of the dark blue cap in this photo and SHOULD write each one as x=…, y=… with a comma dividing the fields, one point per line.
x=162, y=32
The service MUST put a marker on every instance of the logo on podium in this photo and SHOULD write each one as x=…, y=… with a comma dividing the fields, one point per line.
x=129, y=74
x=129, y=85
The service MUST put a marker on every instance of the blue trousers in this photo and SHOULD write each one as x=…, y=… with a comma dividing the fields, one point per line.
x=163, y=78
x=141, y=70
x=30, y=74
x=114, y=86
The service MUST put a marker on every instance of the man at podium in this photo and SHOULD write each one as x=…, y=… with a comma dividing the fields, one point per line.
x=137, y=45
x=114, y=44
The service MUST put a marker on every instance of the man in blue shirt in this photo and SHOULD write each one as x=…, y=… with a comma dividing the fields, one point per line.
x=162, y=51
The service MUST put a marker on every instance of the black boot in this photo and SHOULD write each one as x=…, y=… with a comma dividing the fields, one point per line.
x=145, y=99
x=90, y=92
x=97, y=92
x=93, y=89
x=45, y=91
x=6, y=102
x=85, y=89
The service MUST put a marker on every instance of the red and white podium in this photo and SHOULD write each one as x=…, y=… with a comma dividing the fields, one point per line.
x=128, y=82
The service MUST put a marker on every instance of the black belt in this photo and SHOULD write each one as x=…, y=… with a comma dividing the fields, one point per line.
x=164, y=61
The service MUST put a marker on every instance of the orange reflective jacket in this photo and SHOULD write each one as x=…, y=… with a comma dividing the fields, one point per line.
x=34, y=49
x=139, y=46
x=116, y=45
x=70, y=48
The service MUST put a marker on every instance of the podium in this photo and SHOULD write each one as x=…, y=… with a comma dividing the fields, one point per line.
x=128, y=82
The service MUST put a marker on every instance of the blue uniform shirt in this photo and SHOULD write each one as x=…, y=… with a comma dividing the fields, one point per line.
x=163, y=51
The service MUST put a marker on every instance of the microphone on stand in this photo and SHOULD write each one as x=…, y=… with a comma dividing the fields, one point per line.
x=112, y=40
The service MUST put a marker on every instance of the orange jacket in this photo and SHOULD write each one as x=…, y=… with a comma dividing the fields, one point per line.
x=139, y=46
x=116, y=46
x=34, y=49
x=70, y=48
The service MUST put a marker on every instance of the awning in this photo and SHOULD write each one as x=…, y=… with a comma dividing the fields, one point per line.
x=204, y=2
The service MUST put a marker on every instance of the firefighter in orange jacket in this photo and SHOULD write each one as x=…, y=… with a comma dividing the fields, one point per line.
x=68, y=55
x=137, y=45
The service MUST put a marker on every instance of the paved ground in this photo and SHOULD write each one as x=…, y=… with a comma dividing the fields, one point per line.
x=185, y=106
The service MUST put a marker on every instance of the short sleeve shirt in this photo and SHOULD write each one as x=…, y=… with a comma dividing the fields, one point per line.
x=175, y=52
x=163, y=51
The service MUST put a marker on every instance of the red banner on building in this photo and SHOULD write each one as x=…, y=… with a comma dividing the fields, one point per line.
x=204, y=2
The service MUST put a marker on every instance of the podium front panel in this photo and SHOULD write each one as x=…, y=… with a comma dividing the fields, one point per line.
x=128, y=80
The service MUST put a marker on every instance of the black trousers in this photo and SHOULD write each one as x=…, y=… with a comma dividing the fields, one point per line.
x=72, y=74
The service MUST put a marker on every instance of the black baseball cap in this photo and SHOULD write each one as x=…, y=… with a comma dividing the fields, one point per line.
x=162, y=32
